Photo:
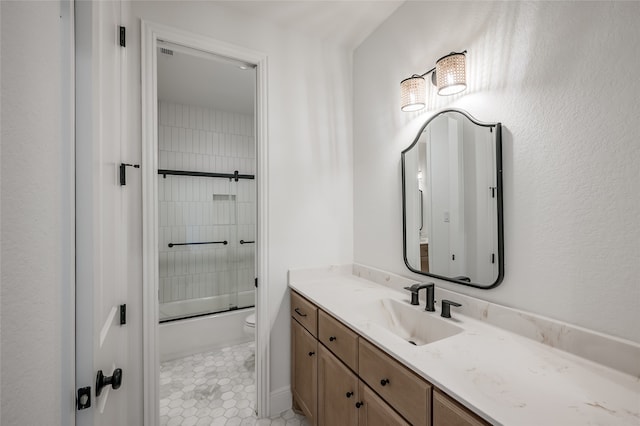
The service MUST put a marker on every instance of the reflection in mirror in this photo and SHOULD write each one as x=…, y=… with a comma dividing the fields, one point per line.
x=452, y=200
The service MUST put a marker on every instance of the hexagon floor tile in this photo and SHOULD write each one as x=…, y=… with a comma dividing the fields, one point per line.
x=215, y=388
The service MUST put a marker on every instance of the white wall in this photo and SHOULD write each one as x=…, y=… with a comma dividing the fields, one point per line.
x=34, y=215
x=562, y=78
x=310, y=148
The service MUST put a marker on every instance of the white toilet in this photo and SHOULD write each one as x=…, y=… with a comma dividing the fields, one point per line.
x=250, y=325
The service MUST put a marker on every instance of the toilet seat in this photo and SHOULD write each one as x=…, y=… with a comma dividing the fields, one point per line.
x=250, y=321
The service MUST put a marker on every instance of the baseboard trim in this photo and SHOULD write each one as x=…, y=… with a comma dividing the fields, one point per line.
x=280, y=400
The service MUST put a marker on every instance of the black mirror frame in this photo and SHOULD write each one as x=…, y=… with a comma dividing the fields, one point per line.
x=498, y=130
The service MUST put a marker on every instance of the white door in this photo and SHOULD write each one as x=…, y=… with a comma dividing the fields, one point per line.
x=101, y=287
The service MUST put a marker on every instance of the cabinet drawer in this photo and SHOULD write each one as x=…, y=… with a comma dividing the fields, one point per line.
x=447, y=412
x=402, y=389
x=339, y=339
x=305, y=312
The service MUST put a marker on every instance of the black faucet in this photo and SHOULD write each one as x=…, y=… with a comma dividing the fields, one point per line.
x=415, y=292
x=446, y=308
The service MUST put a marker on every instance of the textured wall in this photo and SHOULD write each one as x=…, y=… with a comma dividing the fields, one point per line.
x=31, y=214
x=562, y=78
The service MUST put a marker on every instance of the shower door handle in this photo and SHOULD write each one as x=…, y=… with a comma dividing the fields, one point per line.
x=246, y=242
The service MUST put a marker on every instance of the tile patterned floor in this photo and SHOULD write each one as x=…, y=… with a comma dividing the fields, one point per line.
x=214, y=388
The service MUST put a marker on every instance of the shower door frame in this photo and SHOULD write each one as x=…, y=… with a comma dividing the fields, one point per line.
x=150, y=34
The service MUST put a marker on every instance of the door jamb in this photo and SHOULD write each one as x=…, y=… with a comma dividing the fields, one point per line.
x=150, y=33
x=68, y=242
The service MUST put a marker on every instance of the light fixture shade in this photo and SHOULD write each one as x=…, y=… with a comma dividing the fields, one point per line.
x=413, y=93
x=451, y=75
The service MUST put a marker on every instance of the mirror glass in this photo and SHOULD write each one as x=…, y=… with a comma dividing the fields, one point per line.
x=452, y=200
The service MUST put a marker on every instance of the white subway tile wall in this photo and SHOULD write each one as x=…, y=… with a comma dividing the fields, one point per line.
x=200, y=209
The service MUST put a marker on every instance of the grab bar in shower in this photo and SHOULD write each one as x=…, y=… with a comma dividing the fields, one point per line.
x=225, y=242
x=246, y=242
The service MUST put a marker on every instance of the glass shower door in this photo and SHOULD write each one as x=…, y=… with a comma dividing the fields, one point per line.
x=222, y=285
x=197, y=250
x=246, y=241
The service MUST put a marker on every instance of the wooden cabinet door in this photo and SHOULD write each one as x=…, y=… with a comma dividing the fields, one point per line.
x=304, y=362
x=447, y=412
x=337, y=391
x=375, y=412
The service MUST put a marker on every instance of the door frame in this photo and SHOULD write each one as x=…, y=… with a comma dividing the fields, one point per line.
x=150, y=33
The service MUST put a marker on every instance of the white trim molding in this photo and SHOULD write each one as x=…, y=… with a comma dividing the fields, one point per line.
x=151, y=33
x=281, y=399
x=68, y=234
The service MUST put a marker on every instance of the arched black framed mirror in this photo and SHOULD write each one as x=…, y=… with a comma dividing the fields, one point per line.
x=452, y=200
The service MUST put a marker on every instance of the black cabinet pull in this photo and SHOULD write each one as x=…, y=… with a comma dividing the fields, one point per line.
x=384, y=382
x=359, y=404
x=299, y=313
x=332, y=338
x=349, y=394
x=312, y=353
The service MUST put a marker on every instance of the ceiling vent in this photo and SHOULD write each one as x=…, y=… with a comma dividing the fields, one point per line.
x=166, y=51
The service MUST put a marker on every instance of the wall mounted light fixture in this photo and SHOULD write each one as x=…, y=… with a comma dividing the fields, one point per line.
x=449, y=76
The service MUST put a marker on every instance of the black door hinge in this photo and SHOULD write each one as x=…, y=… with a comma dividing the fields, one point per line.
x=453, y=257
x=83, y=398
x=493, y=258
x=123, y=172
x=256, y=282
x=493, y=191
x=123, y=314
x=123, y=36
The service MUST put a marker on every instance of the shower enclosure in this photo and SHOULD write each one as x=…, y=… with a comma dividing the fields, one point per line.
x=207, y=242
x=206, y=184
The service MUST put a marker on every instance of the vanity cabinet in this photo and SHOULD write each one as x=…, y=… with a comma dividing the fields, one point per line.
x=340, y=379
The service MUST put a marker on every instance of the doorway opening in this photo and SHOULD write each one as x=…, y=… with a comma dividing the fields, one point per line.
x=206, y=234
x=204, y=222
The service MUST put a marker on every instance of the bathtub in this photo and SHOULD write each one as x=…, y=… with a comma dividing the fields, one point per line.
x=203, y=333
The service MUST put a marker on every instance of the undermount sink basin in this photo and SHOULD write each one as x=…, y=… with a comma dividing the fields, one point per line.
x=413, y=325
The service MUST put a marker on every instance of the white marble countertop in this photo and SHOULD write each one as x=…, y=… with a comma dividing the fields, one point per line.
x=503, y=377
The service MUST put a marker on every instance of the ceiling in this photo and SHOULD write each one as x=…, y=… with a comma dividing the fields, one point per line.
x=197, y=78
x=345, y=22
x=192, y=77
